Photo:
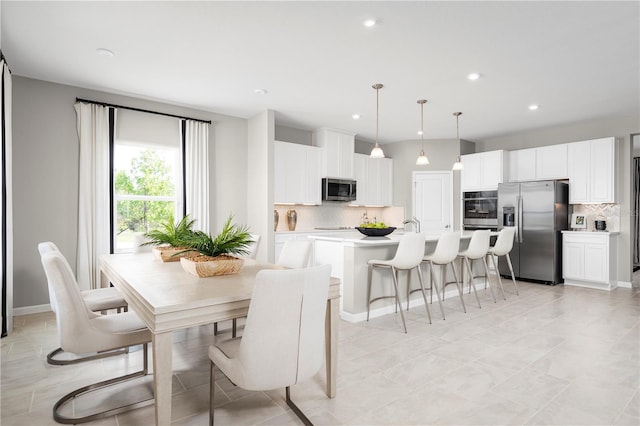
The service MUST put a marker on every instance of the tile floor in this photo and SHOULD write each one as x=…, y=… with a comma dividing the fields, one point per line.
x=553, y=355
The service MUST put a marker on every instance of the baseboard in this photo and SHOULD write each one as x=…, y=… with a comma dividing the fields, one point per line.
x=624, y=284
x=389, y=309
x=35, y=309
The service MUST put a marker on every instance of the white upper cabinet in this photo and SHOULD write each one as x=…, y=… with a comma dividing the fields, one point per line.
x=522, y=165
x=337, y=152
x=546, y=162
x=551, y=162
x=482, y=171
x=591, y=169
x=374, y=177
x=297, y=177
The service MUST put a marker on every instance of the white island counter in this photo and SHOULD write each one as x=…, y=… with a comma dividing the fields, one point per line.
x=348, y=254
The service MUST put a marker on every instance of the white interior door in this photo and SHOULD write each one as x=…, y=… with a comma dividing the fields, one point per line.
x=433, y=200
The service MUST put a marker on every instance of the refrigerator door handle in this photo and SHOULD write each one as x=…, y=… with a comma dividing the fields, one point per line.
x=520, y=205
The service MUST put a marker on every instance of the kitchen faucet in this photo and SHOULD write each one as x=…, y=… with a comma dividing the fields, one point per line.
x=416, y=223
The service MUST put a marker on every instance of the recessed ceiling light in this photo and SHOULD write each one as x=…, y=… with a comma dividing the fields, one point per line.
x=473, y=76
x=356, y=116
x=369, y=23
x=420, y=132
x=260, y=91
x=105, y=52
x=533, y=107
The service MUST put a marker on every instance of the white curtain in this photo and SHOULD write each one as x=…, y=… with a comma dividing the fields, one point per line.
x=6, y=249
x=196, y=164
x=94, y=227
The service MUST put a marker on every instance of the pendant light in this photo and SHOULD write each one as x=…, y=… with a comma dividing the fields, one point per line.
x=458, y=164
x=377, y=152
x=422, y=158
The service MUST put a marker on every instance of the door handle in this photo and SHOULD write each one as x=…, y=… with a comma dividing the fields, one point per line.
x=520, y=206
x=446, y=226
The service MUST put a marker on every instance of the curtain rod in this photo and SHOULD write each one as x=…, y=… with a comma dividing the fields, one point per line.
x=141, y=110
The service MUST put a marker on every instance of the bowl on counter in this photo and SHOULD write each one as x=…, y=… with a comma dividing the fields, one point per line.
x=376, y=232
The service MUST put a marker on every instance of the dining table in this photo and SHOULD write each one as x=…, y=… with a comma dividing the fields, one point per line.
x=167, y=299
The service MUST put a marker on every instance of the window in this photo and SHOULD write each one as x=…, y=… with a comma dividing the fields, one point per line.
x=147, y=189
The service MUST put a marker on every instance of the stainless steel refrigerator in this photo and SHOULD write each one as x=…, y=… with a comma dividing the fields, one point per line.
x=538, y=211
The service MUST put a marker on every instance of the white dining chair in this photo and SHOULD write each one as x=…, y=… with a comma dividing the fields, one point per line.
x=97, y=300
x=280, y=347
x=444, y=254
x=252, y=253
x=502, y=247
x=476, y=250
x=82, y=331
x=295, y=254
x=253, y=247
x=408, y=257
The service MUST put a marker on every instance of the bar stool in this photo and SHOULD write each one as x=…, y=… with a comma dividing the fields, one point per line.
x=445, y=254
x=408, y=256
x=502, y=247
x=477, y=250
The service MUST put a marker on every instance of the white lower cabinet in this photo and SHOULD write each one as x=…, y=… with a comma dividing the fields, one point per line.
x=588, y=259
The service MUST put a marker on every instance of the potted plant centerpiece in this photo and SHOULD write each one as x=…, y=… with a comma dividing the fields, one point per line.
x=171, y=240
x=216, y=254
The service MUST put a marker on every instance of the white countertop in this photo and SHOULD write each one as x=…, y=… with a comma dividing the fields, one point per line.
x=569, y=231
x=357, y=238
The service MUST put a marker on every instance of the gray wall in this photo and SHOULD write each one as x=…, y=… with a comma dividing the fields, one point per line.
x=622, y=127
x=441, y=153
x=45, y=173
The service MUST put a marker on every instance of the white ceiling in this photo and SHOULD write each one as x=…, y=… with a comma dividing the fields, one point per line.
x=577, y=60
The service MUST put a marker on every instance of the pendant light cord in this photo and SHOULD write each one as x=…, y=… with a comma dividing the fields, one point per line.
x=377, y=111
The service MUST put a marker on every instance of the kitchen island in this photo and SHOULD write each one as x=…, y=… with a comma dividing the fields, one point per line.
x=348, y=254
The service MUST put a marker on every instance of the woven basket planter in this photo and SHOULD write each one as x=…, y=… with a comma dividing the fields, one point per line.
x=206, y=266
x=169, y=253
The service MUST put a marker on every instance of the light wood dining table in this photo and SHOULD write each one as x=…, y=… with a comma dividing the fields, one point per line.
x=167, y=299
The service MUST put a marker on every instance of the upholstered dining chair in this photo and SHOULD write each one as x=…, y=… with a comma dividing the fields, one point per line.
x=97, y=300
x=295, y=254
x=408, y=257
x=502, y=247
x=83, y=331
x=445, y=254
x=253, y=247
x=280, y=347
x=253, y=252
x=477, y=250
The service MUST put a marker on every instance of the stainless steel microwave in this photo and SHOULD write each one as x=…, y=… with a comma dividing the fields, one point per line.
x=338, y=189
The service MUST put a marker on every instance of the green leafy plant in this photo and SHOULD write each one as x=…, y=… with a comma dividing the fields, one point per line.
x=379, y=225
x=233, y=239
x=173, y=234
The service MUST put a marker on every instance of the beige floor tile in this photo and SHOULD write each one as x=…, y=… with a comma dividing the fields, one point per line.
x=553, y=356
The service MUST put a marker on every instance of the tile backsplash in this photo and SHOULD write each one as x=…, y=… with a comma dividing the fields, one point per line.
x=593, y=212
x=337, y=214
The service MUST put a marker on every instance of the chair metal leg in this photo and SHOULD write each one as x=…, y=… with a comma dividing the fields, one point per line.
x=455, y=276
x=295, y=408
x=100, y=385
x=424, y=295
x=471, y=284
x=369, y=276
x=212, y=386
x=499, y=278
x=394, y=275
x=495, y=267
x=234, y=327
x=53, y=361
x=513, y=276
x=433, y=283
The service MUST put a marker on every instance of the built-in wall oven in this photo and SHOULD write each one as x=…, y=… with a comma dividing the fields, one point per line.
x=480, y=210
